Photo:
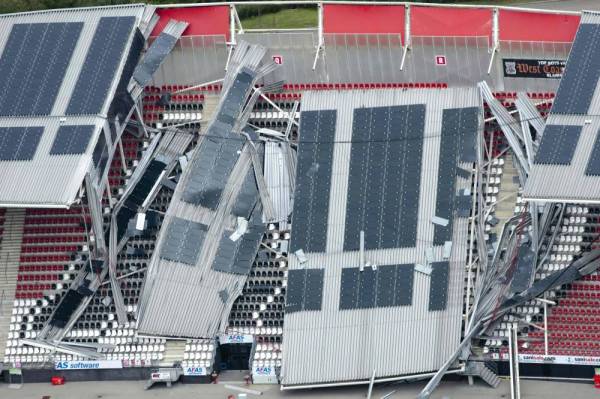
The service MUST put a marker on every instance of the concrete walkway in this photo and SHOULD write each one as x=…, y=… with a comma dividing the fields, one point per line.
x=447, y=390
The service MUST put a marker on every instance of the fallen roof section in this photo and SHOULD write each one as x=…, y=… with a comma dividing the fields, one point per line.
x=377, y=198
x=49, y=124
x=213, y=226
x=566, y=167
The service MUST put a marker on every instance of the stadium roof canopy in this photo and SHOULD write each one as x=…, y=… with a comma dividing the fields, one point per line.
x=567, y=164
x=58, y=74
x=379, y=230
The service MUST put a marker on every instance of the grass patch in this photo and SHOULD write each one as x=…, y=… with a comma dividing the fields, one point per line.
x=292, y=18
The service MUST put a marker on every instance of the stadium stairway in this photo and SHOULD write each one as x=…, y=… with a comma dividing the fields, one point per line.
x=484, y=370
x=10, y=252
x=210, y=104
x=174, y=350
x=507, y=196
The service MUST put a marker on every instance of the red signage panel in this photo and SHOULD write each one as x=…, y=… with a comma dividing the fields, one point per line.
x=213, y=20
x=345, y=18
x=536, y=26
x=446, y=21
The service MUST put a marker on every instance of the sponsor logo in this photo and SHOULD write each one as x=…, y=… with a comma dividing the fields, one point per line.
x=88, y=365
x=194, y=371
x=525, y=68
x=264, y=371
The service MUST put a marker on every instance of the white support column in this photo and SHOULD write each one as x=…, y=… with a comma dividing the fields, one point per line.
x=513, y=358
x=545, y=328
x=470, y=257
x=122, y=153
x=321, y=40
x=407, y=38
x=517, y=376
x=232, y=41
x=495, y=38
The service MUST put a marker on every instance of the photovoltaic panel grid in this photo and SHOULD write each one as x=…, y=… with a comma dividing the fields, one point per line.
x=375, y=168
x=566, y=167
x=100, y=65
x=33, y=65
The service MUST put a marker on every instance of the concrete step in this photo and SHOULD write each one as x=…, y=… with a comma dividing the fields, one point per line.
x=10, y=252
x=174, y=350
x=489, y=377
x=210, y=104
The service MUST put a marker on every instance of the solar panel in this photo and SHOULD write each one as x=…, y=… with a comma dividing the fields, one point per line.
x=155, y=55
x=459, y=126
x=19, y=143
x=304, y=290
x=33, y=66
x=247, y=196
x=145, y=183
x=580, y=77
x=349, y=288
x=183, y=241
x=438, y=289
x=558, y=144
x=100, y=65
x=387, y=286
x=212, y=169
x=295, y=290
x=225, y=255
x=593, y=165
x=384, y=178
x=72, y=139
x=313, y=292
x=313, y=179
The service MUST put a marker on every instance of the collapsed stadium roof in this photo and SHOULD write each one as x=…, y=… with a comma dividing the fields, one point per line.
x=382, y=190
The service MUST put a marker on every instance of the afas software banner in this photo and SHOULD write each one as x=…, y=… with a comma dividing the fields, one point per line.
x=526, y=68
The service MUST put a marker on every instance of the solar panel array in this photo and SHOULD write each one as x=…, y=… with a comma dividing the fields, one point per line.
x=305, y=290
x=580, y=77
x=183, y=241
x=458, y=140
x=386, y=286
x=100, y=65
x=558, y=145
x=593, y=165
x=567, y=165
x=313, y=175
x=438, y=291
x=33, y=66
x=237, y=256
x=72, y=139
x=19, y=143
x=384, y=180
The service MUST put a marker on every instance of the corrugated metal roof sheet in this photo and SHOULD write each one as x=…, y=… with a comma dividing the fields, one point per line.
x=569, y=182
x=194, y=301
x=53, y=180
x=332, y=345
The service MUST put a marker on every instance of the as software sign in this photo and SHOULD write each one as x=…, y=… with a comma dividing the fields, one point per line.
x=88, y=365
